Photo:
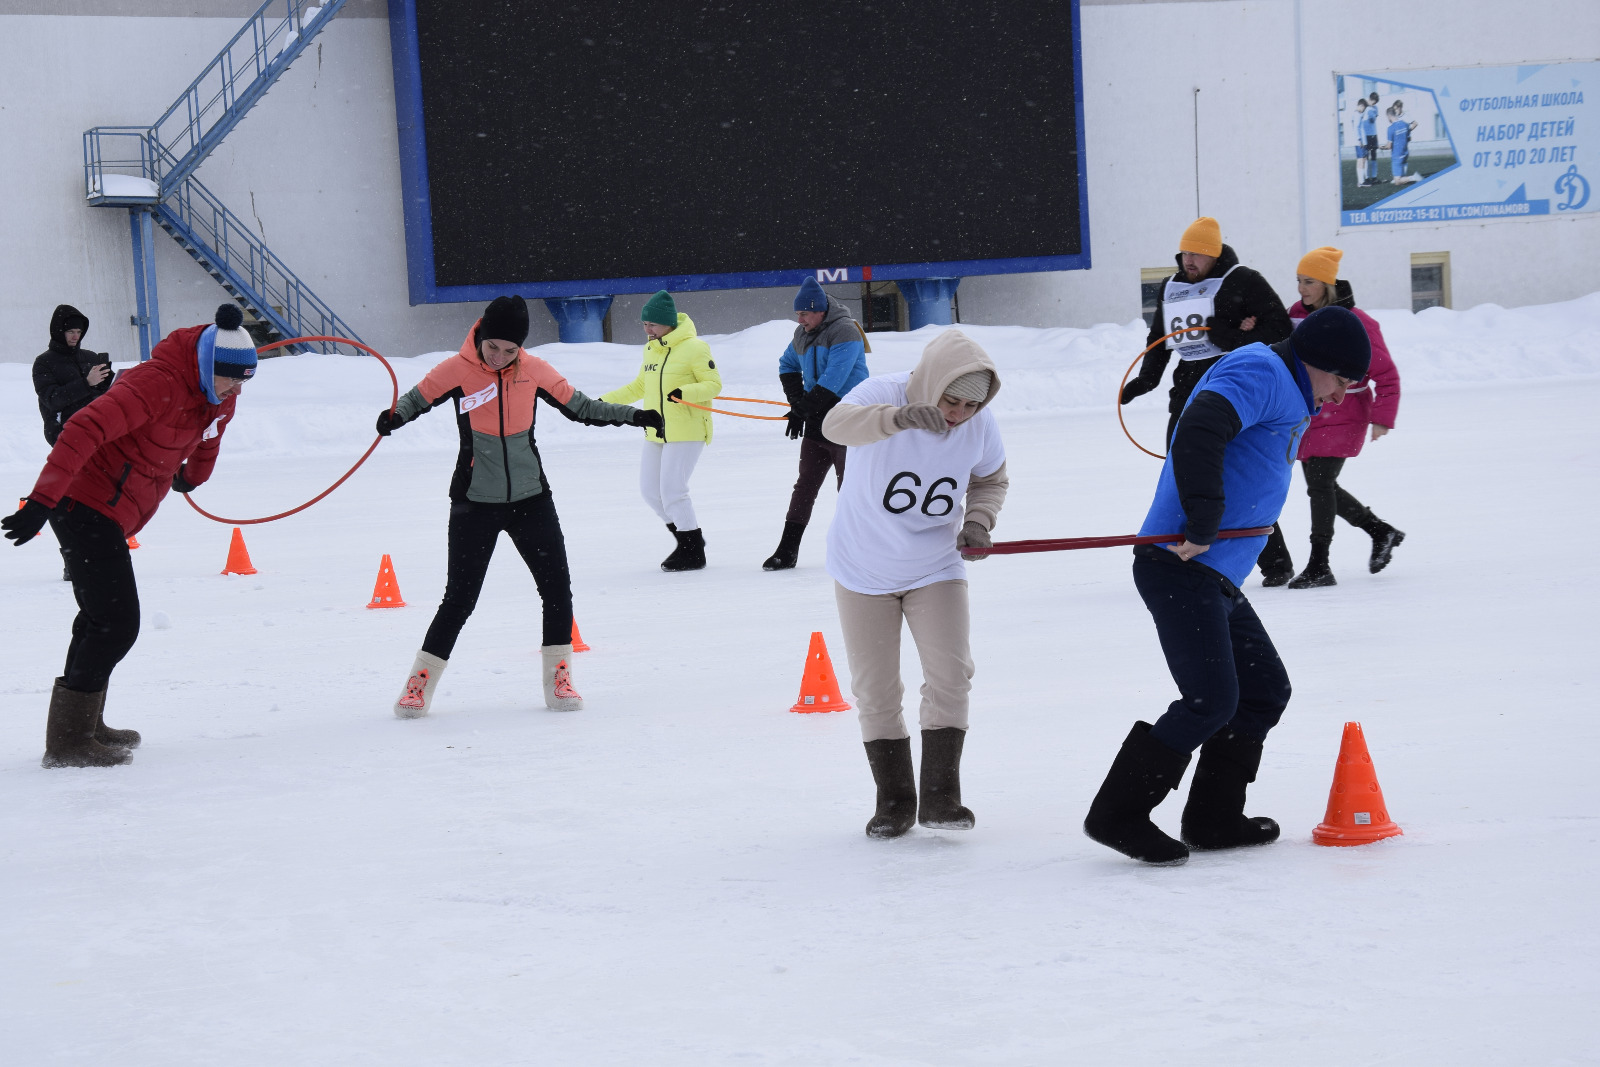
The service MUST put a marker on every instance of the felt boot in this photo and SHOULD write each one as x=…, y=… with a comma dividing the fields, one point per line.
x=1141, y=776
x=940, y=806
x=690, y=555
x=69, y=733
x=897, y=787
x=558, y=692
x=1317, y=573
x=1214, y=816
x=788, y=553
x=1385, y=540
x=416, y=700
x=106, y=735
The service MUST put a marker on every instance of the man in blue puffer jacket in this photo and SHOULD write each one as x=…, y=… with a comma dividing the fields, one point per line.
x=826, y=359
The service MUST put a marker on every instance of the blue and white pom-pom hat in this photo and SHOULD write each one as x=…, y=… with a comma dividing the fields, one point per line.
x=225, y=350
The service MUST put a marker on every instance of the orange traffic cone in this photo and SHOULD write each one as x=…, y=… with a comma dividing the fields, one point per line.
x=577, y=639
x=1356, y=812
x=133, y=542
x=238, y=557
x=386, y=593
x=819, y=686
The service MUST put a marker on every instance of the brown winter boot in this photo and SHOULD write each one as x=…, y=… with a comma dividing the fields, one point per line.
x=108, y=736
x=69, y=734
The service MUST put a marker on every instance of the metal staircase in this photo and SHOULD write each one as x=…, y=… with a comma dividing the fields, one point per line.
x=150, y=171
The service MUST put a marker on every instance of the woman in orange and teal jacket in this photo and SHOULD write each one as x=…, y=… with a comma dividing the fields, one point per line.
x=499, y=484
x=677, y=366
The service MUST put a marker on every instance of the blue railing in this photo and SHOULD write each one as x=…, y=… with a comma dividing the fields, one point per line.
x=271, y=288
x=179, y=141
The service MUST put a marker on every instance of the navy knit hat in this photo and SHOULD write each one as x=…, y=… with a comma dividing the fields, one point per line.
x=1332, y=339
x=505, y=319
x=810, y=297
x=233, y=352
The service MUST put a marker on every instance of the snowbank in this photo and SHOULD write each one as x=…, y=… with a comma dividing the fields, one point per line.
x=316, y=404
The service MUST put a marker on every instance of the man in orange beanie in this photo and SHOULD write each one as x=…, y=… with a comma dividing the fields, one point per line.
x=1211, y=289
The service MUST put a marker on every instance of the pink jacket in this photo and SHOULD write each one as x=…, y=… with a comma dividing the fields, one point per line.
x=1341, y=429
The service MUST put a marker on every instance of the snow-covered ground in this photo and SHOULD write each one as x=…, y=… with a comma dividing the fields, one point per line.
x=287, y=874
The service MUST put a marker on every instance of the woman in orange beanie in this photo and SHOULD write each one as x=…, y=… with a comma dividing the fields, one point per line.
x=1338, y=431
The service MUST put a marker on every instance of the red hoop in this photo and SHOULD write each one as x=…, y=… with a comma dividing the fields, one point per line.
x=1124, y=382
x=394, y=383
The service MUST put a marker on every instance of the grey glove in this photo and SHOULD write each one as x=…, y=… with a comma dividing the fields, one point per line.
x=920, y=417
x=974, y=535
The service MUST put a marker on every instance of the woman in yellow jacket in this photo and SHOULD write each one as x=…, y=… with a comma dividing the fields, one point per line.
x=677, y=366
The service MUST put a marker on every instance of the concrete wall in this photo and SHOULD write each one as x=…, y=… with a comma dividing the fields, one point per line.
x=315, y=165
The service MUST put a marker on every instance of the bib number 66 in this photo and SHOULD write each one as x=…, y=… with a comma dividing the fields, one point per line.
x=935, y=504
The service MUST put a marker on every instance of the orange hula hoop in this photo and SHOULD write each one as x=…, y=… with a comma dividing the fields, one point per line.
x=740, y=414
x=1124, y=382
x=394, y=383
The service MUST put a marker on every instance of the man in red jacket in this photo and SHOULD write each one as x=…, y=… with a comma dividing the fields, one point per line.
x=157, y=429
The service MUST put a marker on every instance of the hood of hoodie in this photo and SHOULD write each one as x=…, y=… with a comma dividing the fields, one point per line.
x=804, y=338
x=64, y=318
x=948, y=357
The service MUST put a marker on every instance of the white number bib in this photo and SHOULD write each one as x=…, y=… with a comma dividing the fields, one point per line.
x=481, y=397
x=1186, y=306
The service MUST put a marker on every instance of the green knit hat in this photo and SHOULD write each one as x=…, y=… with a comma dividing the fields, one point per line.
x=660, y=310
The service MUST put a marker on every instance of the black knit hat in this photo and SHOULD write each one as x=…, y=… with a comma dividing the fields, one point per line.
x=1332, y=339
x=505, y=319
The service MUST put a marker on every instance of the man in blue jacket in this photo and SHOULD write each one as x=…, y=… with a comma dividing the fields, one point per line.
x=826, y=359
x=1228, y=468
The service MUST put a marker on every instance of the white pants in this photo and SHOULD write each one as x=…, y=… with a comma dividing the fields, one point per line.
x=664, y=471
x=940, y=623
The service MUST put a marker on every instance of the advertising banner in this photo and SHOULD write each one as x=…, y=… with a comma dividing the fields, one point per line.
x=1469, y=143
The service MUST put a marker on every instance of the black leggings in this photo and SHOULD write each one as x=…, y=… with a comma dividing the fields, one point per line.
x=107, y=625
x=1329, y=499
x=817, y=456
x=536, y=531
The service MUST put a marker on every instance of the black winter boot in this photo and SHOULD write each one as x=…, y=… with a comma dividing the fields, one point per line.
x=941, y=807
x=1317, y=573
x=1141, y=776
x=788, y=553
x=69, y=734
x=108, y=736
x=690, y=555
x=897, y=787
x=1277, y=566
x=1385, y=540
x=1214, y=817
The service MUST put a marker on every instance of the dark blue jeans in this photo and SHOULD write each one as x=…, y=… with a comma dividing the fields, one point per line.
x=1227, y=670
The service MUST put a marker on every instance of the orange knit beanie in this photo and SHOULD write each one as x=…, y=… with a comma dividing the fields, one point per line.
x=1203, y=237
x=1321, y=264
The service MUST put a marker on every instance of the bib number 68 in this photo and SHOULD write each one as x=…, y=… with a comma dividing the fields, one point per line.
x=935, y=504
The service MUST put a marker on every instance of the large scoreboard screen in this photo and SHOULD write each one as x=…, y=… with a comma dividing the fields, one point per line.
x=592, y=147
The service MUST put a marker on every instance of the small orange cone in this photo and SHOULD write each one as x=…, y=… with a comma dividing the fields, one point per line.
x=577, y=639
x=1356, y=812
x=386, y=593
x=133, y=542
x=819, y=686
x=238, y=558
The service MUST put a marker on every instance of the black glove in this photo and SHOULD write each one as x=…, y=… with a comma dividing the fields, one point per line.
x=650, y=420
x=389, y=422
x=676, y=394
x=180, y=484
x=820, y=401
x=797, y=421
x=25, y=524
x=1137, y=388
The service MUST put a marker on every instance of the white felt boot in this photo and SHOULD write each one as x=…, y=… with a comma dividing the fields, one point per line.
x=558, y=692
x=417, y=698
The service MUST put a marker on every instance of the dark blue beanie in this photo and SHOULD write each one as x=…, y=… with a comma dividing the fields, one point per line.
x=1332, y=339
x=810, y=297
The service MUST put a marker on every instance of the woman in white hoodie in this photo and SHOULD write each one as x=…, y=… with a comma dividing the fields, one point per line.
x=920, y=442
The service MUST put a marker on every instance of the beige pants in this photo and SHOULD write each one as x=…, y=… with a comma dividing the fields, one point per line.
x=940, y=625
